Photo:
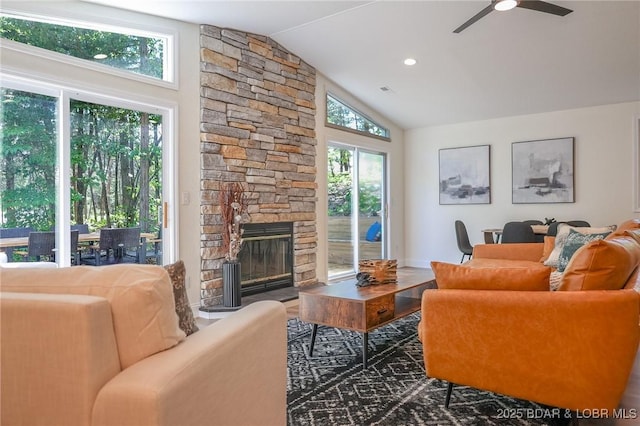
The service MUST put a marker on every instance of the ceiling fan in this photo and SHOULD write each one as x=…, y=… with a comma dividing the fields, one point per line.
x=502, y=5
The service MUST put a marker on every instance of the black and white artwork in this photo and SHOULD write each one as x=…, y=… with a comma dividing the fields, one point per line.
x=465, y=175
x=542, y=171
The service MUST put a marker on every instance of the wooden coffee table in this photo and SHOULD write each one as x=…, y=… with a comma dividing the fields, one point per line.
x=363, y=309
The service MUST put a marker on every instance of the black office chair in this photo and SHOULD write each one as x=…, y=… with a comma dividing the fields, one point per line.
x=517, y=232
x=463, y=240
x=533, y=222
x=539, y=237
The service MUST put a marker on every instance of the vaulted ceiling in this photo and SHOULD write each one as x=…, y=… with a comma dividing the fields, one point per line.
x=508, y=63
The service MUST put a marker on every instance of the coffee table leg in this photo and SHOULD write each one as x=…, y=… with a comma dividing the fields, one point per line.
x=313, y=338
x=365, y=344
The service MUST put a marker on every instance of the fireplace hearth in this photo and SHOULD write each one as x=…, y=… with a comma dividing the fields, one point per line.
x=266, y=257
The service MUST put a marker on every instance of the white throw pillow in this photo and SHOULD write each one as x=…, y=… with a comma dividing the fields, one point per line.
x=561, y=239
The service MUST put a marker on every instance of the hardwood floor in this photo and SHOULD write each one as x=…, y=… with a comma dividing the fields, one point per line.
x=629, y=405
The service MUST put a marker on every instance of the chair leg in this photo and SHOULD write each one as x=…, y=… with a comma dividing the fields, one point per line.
x=448, y=397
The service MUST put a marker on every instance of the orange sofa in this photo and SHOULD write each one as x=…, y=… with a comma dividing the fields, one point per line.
x=493, y=323
x=102, y=346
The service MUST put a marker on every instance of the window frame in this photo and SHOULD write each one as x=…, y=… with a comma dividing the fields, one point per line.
x=357, y=113
x=170, y=75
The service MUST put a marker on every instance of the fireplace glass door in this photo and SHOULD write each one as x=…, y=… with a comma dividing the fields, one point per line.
x=266, y=257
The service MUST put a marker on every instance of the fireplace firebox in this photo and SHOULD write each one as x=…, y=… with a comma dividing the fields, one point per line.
x=266, y=257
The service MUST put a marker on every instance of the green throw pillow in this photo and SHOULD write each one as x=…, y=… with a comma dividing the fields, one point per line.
x=574, y=241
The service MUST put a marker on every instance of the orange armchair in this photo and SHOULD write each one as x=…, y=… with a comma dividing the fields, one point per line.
x=571, y=350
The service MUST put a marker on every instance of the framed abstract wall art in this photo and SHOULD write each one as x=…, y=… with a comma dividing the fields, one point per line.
x=542, y=171
x=465, y=175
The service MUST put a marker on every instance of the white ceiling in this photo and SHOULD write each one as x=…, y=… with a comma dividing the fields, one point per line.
x=508, y=63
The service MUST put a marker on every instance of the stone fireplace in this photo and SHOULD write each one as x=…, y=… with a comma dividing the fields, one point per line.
x=257, y=127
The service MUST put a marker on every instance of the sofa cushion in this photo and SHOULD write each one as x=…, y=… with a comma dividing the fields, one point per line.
x=141, y=298
x=574, y=241
x=633, y=233
x=624, y=226
x=492, y=274
x=561, y=237
x=602, y=265
x=177, y=273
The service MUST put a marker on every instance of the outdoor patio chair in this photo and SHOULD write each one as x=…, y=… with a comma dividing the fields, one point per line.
x=42, y=244
x=116, y=245
x=15, y=233
x=153, y=249
x=82, y=228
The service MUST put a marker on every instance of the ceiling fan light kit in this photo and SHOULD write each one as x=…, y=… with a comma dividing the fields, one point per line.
x=502, y=5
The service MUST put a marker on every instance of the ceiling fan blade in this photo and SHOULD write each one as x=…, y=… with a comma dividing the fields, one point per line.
x=476, y=17
x=543, y=6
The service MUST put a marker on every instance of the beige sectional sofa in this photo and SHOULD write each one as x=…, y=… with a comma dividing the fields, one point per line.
x=102, y=346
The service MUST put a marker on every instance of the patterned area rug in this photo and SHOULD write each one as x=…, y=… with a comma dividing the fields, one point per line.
x=331, y=388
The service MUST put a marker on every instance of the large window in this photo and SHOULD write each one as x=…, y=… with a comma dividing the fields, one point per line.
x=342, y=116
x=143, y=54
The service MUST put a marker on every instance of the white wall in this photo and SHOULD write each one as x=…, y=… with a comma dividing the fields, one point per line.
x=395, y=176
x=186, y=97
x=604, y=152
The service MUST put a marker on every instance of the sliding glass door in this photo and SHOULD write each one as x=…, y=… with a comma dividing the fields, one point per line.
x=69, y=161
x=356, y=208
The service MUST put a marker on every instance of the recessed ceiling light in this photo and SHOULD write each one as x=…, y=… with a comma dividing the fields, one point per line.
x=409, y=61
x=100, y=56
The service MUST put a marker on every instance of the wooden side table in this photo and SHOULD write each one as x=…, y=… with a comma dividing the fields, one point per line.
x=363, y=309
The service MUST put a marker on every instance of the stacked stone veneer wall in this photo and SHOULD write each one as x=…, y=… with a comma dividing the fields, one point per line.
x=257, y=127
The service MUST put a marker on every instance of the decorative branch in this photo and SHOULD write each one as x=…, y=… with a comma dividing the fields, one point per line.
x=233, y=204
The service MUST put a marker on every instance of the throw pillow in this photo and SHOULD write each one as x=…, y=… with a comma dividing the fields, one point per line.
x=510, y=276
x=177, y=273
x=549, y=244
x=561, y=236
x=573, y=242
x=602, y=265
